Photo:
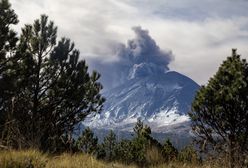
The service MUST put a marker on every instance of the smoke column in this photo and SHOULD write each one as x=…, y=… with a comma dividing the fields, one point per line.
x=141, y=56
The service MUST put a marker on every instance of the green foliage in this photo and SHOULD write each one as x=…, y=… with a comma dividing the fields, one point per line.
x=169, y=151
x=219, y=111
x=31, y=99
x=8, y=37
x=56, y=87
x=45, y=90
x=128, y=151
x=140, y=143
x=141, y=150
x=8, y=40
x=87, y=143
x=131, y=151
x=124, y=151
x=139, y=147
x=142, y=130
x=100, y=153
x=109, y=145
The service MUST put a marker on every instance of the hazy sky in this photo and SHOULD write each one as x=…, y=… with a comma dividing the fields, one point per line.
x=200, y=34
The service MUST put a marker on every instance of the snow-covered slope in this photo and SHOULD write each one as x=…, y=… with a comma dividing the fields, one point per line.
x=158, y=98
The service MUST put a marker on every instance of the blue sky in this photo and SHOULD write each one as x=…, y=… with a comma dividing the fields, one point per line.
x=200, y=34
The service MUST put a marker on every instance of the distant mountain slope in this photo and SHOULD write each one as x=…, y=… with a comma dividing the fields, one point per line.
x=160, y=99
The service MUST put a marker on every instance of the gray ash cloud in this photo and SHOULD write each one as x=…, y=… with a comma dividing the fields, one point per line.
x=140, y=56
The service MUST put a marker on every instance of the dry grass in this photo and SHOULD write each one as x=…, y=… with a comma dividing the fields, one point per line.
x=80, y=161
x=154, y=156
x=185, y=165
x=156, y=160
x=222, y=163
x=22, y=159
x=35, y=159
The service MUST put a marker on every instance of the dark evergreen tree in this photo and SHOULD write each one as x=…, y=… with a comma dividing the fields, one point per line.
x=101, y=153
x=36, y=43
x=8, y=40
x=86, y=142
x=219, y=112
x=142, y=130
x=74, y=93
x=55, y=90
x=138, y=149
x=124, y=152
x=141, y=143
x=109, y=145
x=169, y=151
x=8, y=37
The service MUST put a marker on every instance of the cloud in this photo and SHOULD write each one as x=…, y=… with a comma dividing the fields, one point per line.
x=140, y=57
x=200, y=47
x=200, y=33
x=143, y=49
x=192, y=10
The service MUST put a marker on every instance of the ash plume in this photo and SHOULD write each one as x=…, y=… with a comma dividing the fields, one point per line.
x=141, y=56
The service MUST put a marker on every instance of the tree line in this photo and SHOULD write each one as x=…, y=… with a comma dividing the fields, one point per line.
x=142, y=150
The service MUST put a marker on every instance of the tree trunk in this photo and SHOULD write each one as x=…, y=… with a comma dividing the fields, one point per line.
x=231, y=153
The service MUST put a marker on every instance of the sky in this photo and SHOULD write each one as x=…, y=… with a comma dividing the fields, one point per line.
x=194, y=36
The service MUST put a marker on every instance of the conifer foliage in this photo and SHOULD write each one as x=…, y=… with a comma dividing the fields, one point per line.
x=8, y=58
x=219, y=112
x=109, y=146
x=53, y=90
x=87, y=143
x=8, y=37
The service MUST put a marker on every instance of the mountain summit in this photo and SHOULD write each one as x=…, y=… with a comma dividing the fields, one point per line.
x=144, y=88
x=158, y=98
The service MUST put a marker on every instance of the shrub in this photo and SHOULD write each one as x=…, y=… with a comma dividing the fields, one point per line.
x=188, y=155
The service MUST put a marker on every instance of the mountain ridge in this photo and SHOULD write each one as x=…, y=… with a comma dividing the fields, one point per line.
x=157, y=98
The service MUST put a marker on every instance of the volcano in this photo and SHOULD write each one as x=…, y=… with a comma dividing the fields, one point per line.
x=161, y=99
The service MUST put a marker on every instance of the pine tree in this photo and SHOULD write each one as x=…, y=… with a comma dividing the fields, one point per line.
x=219, y=112
x=8, y=37
x=36, y=43
x=8, y=40
x=138, y=149
x=124, y=151
x=142, y=130
x=141, y=142
x=87, y=143
x=55, y=90
x=109, y=145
